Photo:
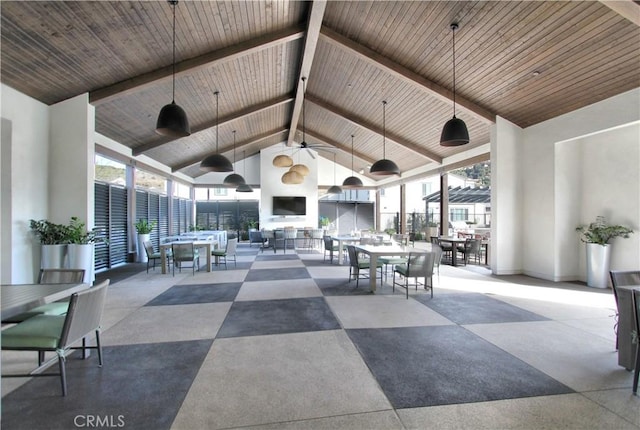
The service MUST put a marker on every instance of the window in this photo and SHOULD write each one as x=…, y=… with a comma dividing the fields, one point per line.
x=202, y=194
x=426, y=189
x=110, y=171
x=180, y=190
x=151, y=181
x=458, y=214
x=219, y=191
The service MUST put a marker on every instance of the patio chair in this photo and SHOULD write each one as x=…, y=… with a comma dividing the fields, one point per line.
x=621, y=278
x=153, y=255
x=184, y=253
x=419, y=265
x=471, y=247
x=290, y=235
x=329, y=247
x=58, y=333
x=359, y=268
x=228, y=252
x=268, y=240
x=255, y=236
x=51, y=276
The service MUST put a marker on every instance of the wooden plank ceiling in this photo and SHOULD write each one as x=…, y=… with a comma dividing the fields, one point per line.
x=525, y=61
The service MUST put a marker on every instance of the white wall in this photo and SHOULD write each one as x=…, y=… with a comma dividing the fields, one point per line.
x=27, y=176
x=544, y=217
x=271, y=185
x=506, y=251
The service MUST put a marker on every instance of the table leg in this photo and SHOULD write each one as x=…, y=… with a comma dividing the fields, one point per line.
x=208, y=249
x=373, y=268
x=454, y=258
x=163, y=259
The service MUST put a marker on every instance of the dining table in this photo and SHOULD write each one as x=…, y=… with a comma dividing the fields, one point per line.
x=376, y=251
x=342, y=241
x=454, y=242
x=208, y=245
x=19, y=298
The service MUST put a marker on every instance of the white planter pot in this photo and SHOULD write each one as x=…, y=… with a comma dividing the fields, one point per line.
x=598, y=259
x=52, y=256
x=141, y=254
x=81, y=257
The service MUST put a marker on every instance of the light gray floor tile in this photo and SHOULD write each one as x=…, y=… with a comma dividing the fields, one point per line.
x=331, y=271
x=278, y=378
x=572, y=356
x=378, y=311
x=276, y=264
x=557, y=310
x=152, y=324
x=268, y=290
x=620, y=401
x=383, y=420
x=566, y=411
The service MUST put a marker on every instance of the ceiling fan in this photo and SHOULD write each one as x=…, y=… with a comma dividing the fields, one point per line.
x=304, y=144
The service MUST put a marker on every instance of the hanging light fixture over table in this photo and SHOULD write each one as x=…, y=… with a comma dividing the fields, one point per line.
x=454, y=132
x=216, y=162
x=352, y=181
x=384, y=167
x=301, y=168
x=234, y=178
x=334, y=189
x=244, y=188
x=172, y=120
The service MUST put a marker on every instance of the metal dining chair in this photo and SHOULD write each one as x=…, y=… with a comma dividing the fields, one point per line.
x=419, y=265
x=185, y=253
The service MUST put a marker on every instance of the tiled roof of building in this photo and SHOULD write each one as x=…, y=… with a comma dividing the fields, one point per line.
x=462, y=195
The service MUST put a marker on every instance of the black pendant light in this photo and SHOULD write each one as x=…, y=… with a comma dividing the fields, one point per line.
x=454, y=132
x=334, y=189
x=384, y=167
x=234, y=179
x=352, y=181
x=216, y=162
x=172, y=120
x=244, y=188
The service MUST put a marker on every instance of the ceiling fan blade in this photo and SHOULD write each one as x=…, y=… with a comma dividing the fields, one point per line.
x=311, y=153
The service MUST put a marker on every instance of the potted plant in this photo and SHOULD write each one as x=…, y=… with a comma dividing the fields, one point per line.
x=597, y=236
x=143, y=228
x=80, y=249
x=53, y=240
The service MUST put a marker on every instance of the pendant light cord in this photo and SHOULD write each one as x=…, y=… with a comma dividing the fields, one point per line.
x=352, y=155
x=384, y=129
x=217, y=103
x=234, y=148
x=304, y=138
x=173, y=93
x=453, y=28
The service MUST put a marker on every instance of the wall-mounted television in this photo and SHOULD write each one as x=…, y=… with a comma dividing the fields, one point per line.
x=286, y=205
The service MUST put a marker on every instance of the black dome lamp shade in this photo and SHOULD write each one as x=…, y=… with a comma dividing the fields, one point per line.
x=384, y=167
x=216, y=162
x=352, y=181
x=244, y=188
x=334, y=189
x=234, y=179
x=172, y=120
x=454, y=132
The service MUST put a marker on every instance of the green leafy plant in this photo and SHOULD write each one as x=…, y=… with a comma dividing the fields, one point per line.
x=601, y=233
x=77, y=233
x=49, y=233
x=143, y=226
x=324, y=221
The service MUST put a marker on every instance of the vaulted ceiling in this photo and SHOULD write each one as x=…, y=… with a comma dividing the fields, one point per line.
x=525, y=61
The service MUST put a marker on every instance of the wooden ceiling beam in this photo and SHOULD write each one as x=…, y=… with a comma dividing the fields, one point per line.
x=328, y=141
x=251, y=110
x=239, y=146
x=628, y=9
x=310, y=43
x=398, y=71
x=347, y=116
x=211, y=59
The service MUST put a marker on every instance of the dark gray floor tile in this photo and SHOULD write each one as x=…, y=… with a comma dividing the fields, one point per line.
x=253, y=318
x=342, y=287
x=192, y=294
x=476, y=308
x=276, y=274
x=427, y=366
x=268, y=256
x=139, y=387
